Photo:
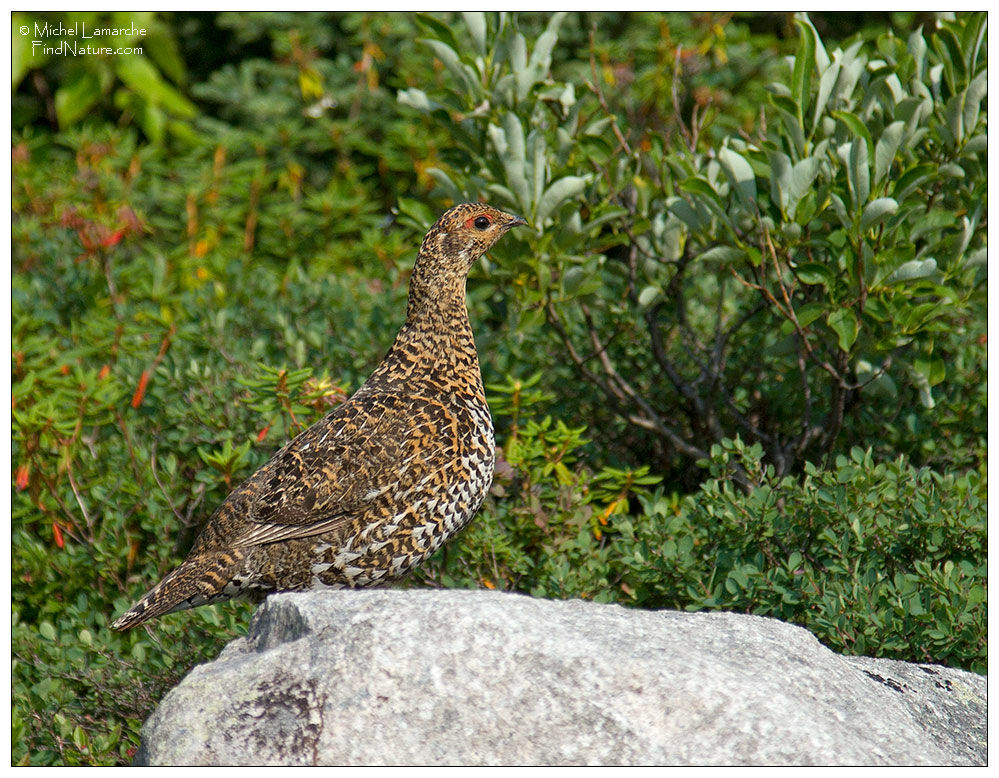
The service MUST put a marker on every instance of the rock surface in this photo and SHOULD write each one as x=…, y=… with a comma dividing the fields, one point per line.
x=486, y=678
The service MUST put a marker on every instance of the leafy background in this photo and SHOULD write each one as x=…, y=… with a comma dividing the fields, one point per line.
x=758, y=259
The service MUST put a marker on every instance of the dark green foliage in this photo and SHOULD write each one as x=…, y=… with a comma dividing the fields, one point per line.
x=761, y=285
x=708, y=266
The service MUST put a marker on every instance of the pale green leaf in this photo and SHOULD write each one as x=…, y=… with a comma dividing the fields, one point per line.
x=415, y=98
x=649, y=295
x=558, y=193
x=573, y=279
x=885, y=149
x=877, y=211
x=780, y=178
x=723, y=255
x=912, y=270
x=976, y=91
x=802, y=177
x=476, y=23
x=826, y=83
x=740, y=175
x=449, y=57
x=954, y=113
x=859, y=174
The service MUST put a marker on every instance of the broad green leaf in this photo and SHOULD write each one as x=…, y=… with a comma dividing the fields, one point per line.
x=515, y=161
x=439, y=29
x=685, y=212
x=700, y=186
x=917, y=48
x=948, y=47
x=954, y=113
x=541, y=57
x=163, y=50
x=704, y=193
x=498, y=136
x=973, y=38
x=416, y=98
x=840, y=208
x=859, y=174
x=518, y=53
x=649, y=295
x=539, y=166
x=884, y=151
x=976, y=91
x=932, y=370
x=788, y=111
x=802, y=177
x=843, y=322
x=976, y=258
x=852, y=65
x=573, y=279
x=857, y=128
x=780, y=178
x=952, y=169
x=814, y=273
x=804, y=64
x=522, y=74
x=809, y=312
x=723, y=255
x=140, y=76
x=514, y=131
x=967, y=232
x=977, y=144
x=912, y=270
x=558, y=193
x=826, y=83
x=911, y=179
x=609, y=215
x=458, y=70
x=741, y=176
x=475, y=21
x=821, y=56
x=501, y=193
x=76, y=97
x=877, y=211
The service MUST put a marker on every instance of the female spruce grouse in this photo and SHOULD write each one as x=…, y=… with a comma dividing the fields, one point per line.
x=385, y=479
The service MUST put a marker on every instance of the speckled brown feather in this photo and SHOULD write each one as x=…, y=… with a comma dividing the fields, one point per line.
x=381, y=482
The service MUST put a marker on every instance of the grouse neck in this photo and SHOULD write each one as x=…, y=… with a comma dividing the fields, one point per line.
x=441, y=317
x=436, y=296
x=434, y=344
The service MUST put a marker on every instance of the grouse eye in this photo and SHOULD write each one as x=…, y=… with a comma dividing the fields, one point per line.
x=481, y=222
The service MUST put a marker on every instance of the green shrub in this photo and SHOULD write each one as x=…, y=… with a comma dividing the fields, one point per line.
x=880, y=559
x=765, y=285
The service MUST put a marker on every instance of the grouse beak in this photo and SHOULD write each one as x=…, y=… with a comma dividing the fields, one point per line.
x=516, y=221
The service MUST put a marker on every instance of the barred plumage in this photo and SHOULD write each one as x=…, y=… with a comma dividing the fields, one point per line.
x=382, y=481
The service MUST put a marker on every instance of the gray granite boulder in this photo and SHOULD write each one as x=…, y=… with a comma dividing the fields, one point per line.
x=391, y=677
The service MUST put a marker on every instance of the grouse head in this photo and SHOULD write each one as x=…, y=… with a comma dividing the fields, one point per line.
x=462, y=235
